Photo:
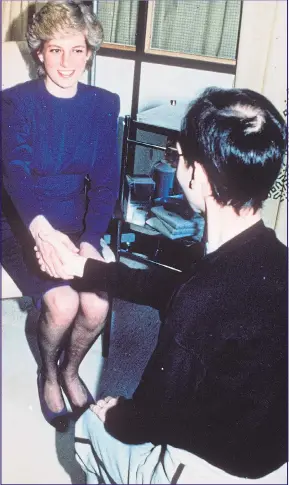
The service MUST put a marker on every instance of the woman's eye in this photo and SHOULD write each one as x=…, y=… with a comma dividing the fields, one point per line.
x=56, y=51
x=79, y=51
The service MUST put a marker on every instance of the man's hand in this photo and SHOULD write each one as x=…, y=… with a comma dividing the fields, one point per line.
x=89, y=251
x=101, y=407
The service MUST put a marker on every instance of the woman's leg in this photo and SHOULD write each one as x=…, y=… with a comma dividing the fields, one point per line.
x=88, y=325
x=60, y=305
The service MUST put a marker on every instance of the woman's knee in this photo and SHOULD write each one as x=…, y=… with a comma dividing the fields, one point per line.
x=94, y=307
x=62, y=304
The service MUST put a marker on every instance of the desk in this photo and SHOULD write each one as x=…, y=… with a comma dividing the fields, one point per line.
x=167, y=116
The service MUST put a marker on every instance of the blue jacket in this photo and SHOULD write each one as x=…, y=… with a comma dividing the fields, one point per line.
x=50, y=145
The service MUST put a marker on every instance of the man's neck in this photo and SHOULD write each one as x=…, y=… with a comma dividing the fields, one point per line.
x=223, y=223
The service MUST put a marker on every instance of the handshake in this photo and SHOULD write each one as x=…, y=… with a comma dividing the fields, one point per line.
x=58, y=256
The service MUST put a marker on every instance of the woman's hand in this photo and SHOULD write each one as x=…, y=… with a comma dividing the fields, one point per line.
x=71, y=263
x=47, y=254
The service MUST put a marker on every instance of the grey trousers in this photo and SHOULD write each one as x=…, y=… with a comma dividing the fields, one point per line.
x=106, y=460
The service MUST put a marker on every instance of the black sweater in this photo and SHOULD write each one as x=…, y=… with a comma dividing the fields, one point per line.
x=216, y=384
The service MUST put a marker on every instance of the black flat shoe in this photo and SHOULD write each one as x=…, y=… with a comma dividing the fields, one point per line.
x=58, y=420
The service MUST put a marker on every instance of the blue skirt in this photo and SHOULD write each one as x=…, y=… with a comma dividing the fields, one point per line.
x=18, y=255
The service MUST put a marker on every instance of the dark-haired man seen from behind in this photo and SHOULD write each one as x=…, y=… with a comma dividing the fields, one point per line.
x=211, y=406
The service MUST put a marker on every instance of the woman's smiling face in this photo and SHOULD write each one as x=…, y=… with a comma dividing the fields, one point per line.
x=64, y=58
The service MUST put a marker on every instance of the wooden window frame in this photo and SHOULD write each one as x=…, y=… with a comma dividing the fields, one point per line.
x=118, y=47
x=147, y=24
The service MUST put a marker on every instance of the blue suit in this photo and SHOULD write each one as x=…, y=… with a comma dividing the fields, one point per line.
x=50, y=145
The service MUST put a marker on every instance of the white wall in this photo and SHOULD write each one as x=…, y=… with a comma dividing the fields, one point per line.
x=160, y=84
x=116, y=75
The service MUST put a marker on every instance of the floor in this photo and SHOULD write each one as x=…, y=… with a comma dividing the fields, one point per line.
x=32, y=451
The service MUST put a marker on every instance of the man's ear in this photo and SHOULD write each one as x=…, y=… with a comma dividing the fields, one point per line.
x=201, y=178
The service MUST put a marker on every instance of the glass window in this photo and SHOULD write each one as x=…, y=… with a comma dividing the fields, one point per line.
x=203, y=28
x=119, y=20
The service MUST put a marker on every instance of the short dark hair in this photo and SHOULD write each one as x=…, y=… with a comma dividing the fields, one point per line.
x=240, y=139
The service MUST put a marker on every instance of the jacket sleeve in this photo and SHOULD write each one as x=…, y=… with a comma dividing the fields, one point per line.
x=17, y=153
x=104, y=176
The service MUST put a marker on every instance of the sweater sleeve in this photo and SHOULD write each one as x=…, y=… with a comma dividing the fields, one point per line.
x=104, y=176
x=152, y=287
x=17, y=156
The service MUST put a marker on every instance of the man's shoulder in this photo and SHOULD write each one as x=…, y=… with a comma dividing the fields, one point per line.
x=270, y=249
x=260, y=243
x=253, y=256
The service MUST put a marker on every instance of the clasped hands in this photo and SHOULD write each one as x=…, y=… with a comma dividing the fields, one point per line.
x=57, y=255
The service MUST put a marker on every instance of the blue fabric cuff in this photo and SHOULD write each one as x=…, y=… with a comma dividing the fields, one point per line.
x=93, y=239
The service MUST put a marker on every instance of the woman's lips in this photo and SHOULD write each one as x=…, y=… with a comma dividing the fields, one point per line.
x=66, y=74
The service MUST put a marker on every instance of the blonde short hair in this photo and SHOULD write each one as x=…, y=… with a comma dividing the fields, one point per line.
x=65, y=15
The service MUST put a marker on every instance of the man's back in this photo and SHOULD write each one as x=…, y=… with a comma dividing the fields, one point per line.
x=220, y=367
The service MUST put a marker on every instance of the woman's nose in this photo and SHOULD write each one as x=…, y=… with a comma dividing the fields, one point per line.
x=65, y=59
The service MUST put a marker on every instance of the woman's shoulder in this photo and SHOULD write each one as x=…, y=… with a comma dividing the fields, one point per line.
x=21, y=88
x=19, y=93
x=99, y=95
